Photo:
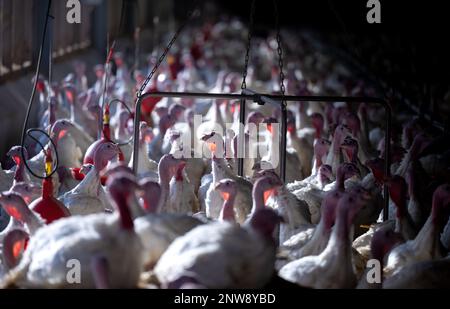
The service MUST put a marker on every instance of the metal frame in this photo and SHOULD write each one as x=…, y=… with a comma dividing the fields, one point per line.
x=270, y=98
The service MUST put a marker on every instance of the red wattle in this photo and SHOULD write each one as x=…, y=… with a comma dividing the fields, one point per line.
x=76, y=174
x=121, y=156
x=40, y=86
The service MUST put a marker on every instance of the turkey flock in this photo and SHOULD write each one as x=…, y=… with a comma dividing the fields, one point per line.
x=190, y=221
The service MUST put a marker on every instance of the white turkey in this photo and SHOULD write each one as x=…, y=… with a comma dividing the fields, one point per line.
x=146, y=167
x=220, y=171
x=88, y=196
x=333, y=267
x=426, y=245
x=106, y=245
x=242, y=257
x=158, y=230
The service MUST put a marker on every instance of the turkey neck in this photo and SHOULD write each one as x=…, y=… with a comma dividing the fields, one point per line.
x=179, y=174
x=401, y=220
x=427, y=240
x=30, y=219
x=52, y=113
x=227, y=213
x=126, y=219
x=143, y=162
x=340, y=179
x=323, y=180
x=317, y=162
x=90, y=183
x=122, y=134
x=334, y=156
x=219, y=171
x=258, y=198
x=339, y=244
x=352, y=155
x=164, y=182
x=19, y=174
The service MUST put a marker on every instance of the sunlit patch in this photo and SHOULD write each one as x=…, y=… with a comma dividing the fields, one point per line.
x=17, y=248
x=13, y=212
x=267, y=195
x=148, y=138
x=17, y=160
x=235, y=108
x=290, y=128
x=69, y=96
x=212, y=147
x=62, y=133
x=225, y=195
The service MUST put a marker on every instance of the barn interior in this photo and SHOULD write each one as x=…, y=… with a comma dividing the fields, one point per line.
x=279, y=145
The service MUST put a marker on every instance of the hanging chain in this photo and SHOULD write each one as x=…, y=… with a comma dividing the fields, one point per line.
x=190, y=14
x=249, y=40
x=279, y=50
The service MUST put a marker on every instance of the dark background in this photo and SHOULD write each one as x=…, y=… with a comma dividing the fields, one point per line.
x=408, y=52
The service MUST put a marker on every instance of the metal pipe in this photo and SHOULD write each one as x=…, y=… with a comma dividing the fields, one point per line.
x=387, y=158
x=241, y=138
x=233, y=96
x=258, y=98
x=283, y=146
x=137, y=119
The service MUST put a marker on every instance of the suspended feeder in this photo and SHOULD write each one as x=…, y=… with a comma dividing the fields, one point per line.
x=271, y=99
x=275, y=100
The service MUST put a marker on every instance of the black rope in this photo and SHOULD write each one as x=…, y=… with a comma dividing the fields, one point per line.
x=283, y=131
x=55, y=164
x=30, y=103
x=241, y=143
x=279, y=49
